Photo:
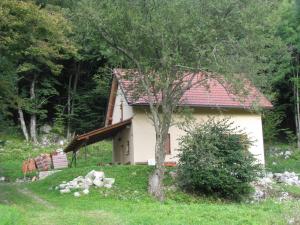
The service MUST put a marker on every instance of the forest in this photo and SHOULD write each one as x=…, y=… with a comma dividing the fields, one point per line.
x=59, y=60
x=56, y=66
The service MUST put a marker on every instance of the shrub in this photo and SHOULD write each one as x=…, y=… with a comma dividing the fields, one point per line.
x=214, y=160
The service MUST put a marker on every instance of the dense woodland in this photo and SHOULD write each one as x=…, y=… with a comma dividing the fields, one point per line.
x=55, y=64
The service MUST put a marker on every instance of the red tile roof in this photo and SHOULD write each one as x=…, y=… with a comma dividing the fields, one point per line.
x=212, y=94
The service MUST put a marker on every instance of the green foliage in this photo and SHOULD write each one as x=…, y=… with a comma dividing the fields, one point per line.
x=90, y=103
x=271, y=126
x=214, y=160
x=217, y=36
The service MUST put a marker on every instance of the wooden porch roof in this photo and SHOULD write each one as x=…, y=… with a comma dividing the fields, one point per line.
x=95, y=136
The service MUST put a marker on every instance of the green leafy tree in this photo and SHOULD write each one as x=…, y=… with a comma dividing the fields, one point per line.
x=163, y=41
x=34, y=40
x=286, y=84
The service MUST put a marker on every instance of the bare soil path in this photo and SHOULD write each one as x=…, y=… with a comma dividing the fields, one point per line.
x=35, y=197
x=19, y=191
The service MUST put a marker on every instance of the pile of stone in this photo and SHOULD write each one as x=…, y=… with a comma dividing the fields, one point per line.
x=289, y=178
x=82, y=184
x=264, y=187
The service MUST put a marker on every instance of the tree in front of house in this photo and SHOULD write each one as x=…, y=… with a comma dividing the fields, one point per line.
x=166, y=42
x=34, y=41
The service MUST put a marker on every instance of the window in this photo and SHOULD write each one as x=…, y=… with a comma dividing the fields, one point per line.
x=168, y=145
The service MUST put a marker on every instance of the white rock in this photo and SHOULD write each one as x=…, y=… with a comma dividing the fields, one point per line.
x=258, y=195
x=62, y=186
x=98, y=174
x=88, y=181
x=110, y=181
x=98, y=183
x=74, y=187
x=2, y=179
x=86, y=191
x=76, y=194
x=64, y=191
x=269, y=175
x=107, y=185
x=90, y=175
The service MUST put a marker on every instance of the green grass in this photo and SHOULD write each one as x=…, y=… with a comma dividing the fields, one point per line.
x=280, y=164
x=126, y=203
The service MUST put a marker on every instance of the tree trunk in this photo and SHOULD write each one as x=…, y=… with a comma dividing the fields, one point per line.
x=297, y=115
x=296, y=97
x=33, y=133
x=77, y=73
x=155, y=186
x=71, y=98
x=23, y=124
x=69, y=109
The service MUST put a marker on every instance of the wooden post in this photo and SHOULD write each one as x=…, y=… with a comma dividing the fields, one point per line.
x=121, y=108
x=85, y=152
x=74, y=159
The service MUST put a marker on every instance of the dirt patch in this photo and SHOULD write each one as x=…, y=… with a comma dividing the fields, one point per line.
x=35, y=197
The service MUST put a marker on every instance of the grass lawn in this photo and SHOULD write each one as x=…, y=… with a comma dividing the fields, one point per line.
x=126, y=203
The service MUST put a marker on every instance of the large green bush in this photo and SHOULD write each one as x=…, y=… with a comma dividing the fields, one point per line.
x=214, y=160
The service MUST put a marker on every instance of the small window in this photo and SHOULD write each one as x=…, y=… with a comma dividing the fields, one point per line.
x=168, y=145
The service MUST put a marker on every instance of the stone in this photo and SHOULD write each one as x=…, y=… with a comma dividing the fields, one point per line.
x=258, y=195
x=64, y=191
x=269, y=175
x=98, y=183
x=46, y=129
x=76, y=194
x=90, y=175
x=44, y=174
x=88, y=181
x=110, y=181
x=284, y=196
x=2, y=179
x=86, y=191
x=107, y=185
x=62, y=186
x=151, y=162
x=98, y=174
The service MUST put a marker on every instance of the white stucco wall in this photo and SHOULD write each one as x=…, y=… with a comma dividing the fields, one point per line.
x=127, y=109
x=144, y=134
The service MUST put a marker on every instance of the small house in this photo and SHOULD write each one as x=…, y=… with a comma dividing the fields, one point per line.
x=133, y=134
x=135, y=142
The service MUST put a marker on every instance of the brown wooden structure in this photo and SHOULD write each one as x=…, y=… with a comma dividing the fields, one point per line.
x=94, y=136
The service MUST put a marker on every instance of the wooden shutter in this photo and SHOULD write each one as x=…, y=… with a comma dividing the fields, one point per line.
x=168, y=145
